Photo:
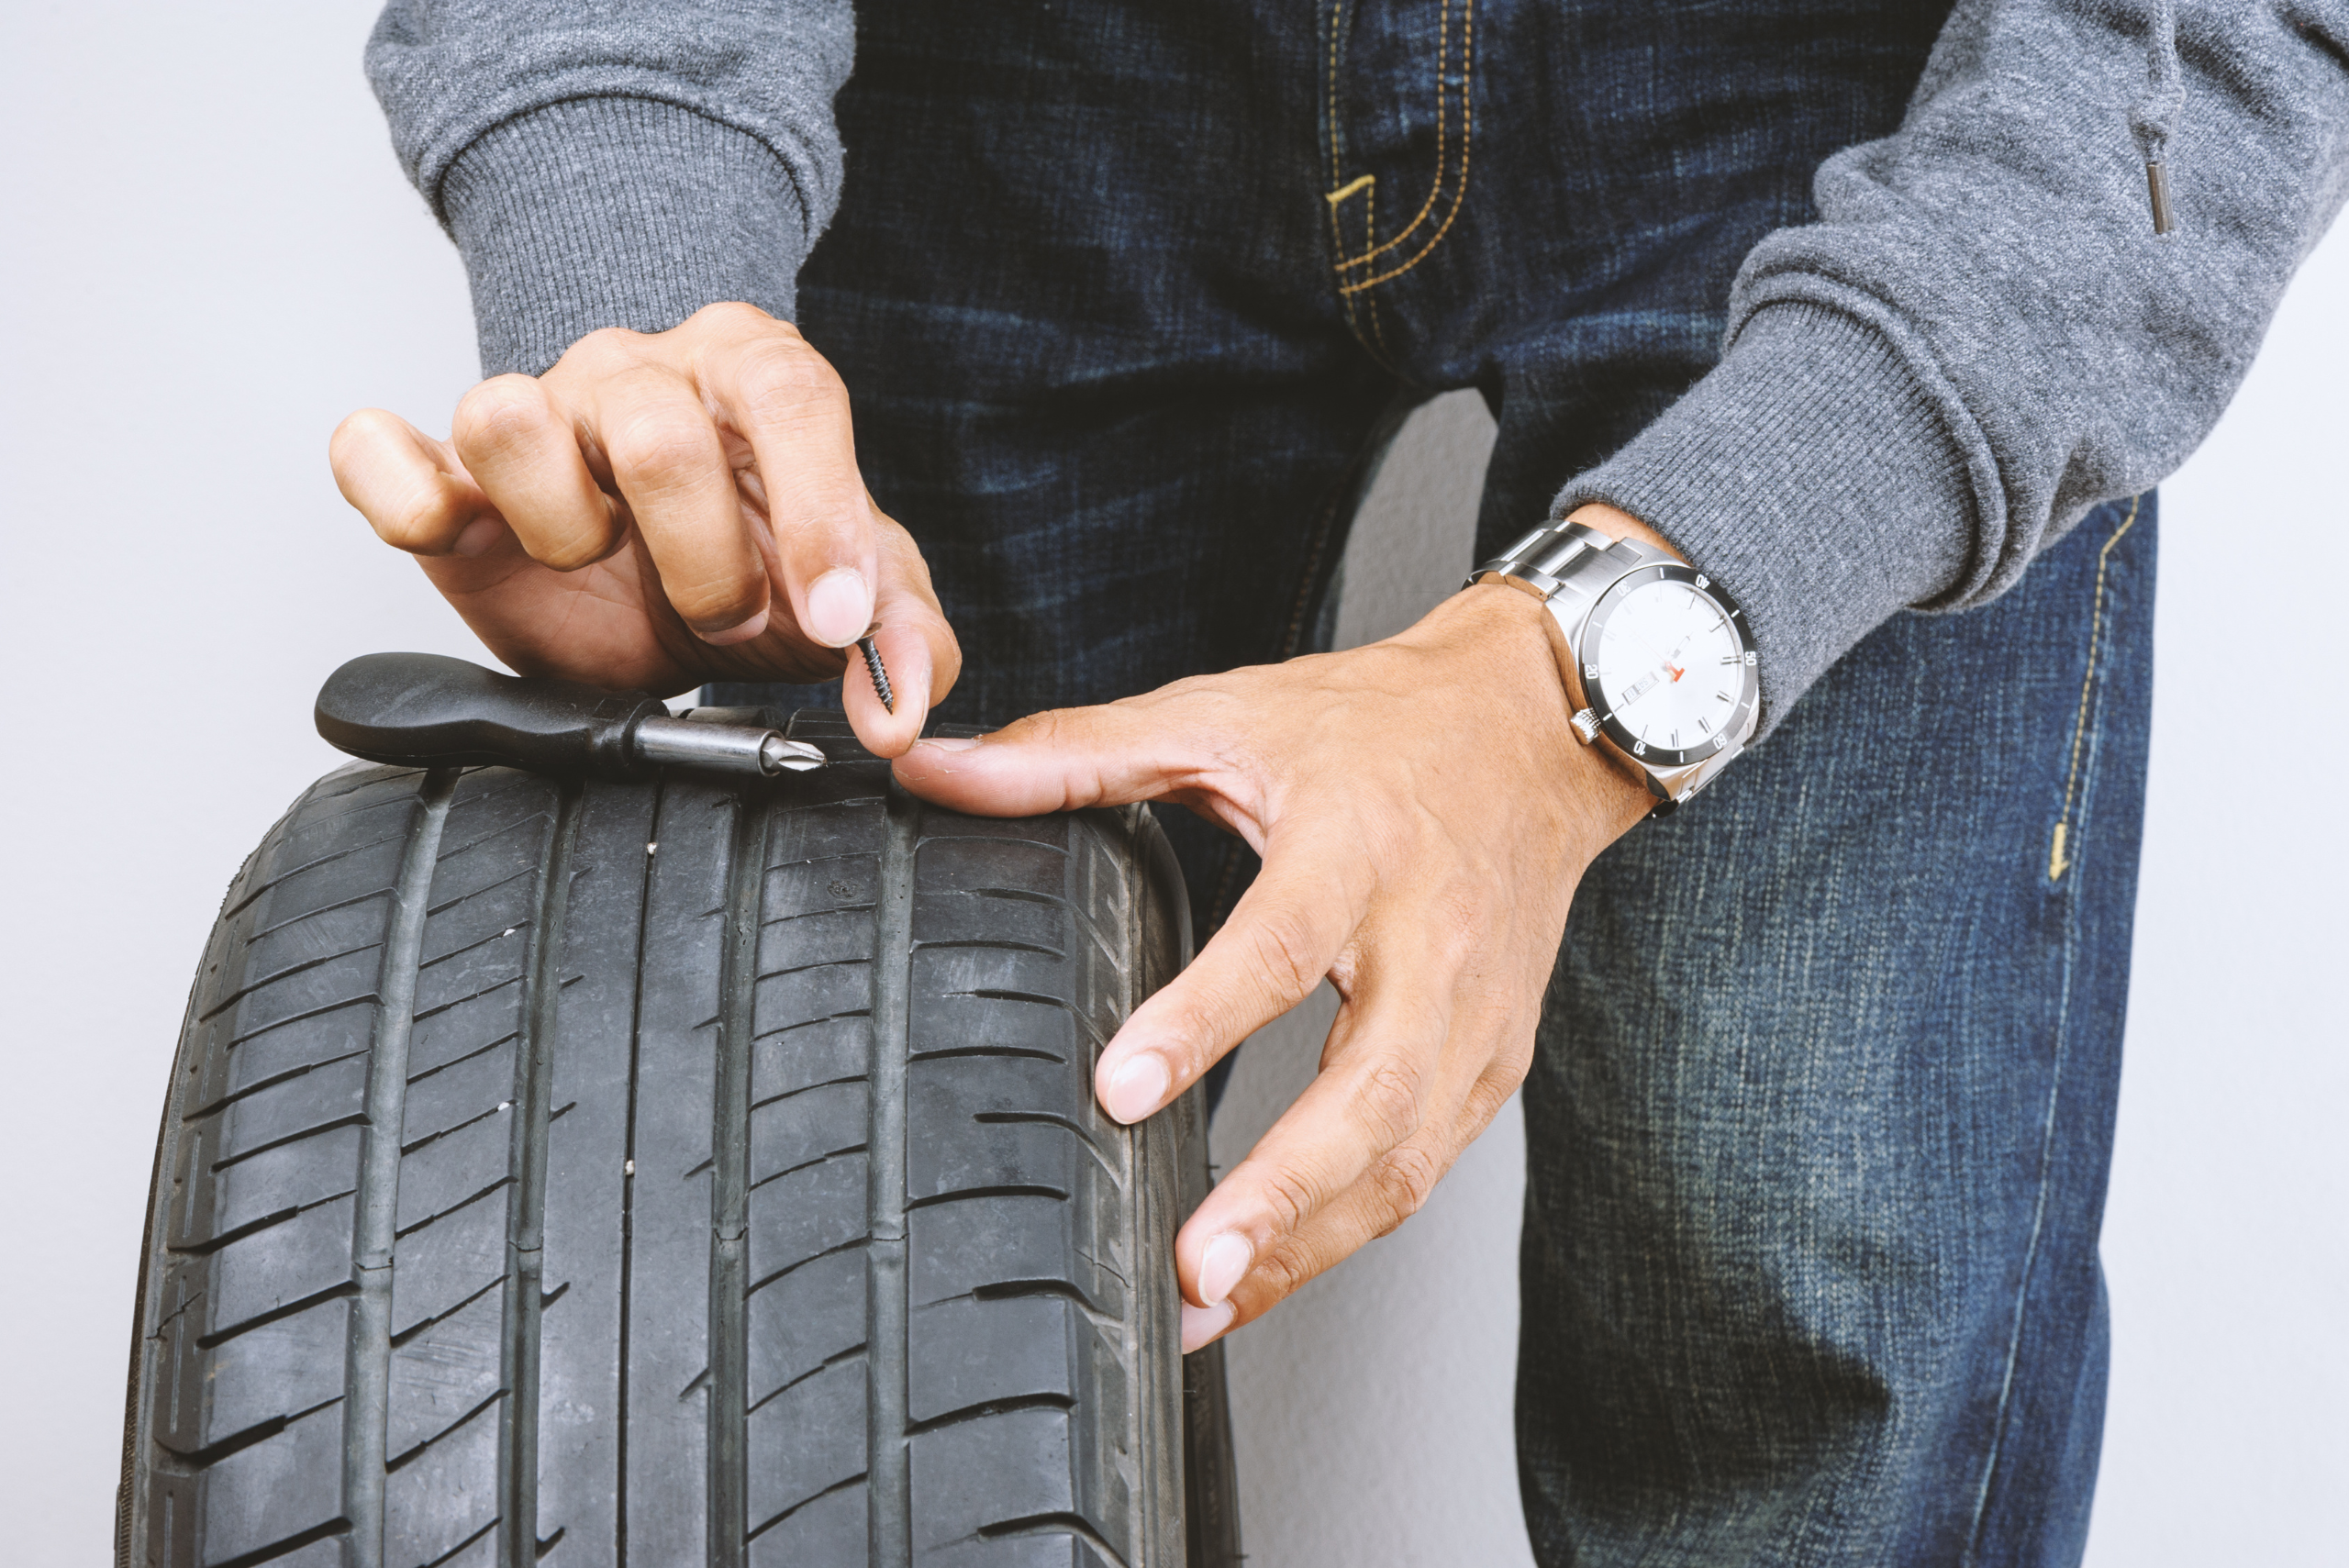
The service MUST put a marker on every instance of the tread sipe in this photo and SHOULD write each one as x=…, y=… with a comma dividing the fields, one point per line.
x=665, y=1174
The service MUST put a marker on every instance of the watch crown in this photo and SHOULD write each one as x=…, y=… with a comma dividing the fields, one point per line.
x=1586, y=724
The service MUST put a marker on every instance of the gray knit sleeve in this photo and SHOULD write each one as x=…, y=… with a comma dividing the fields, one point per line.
x=1982, y=336
x=602, y=163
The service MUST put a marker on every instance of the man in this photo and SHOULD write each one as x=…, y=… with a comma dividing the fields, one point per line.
x=1854, y=308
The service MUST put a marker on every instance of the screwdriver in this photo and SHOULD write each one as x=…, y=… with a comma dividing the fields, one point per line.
x=424, y=710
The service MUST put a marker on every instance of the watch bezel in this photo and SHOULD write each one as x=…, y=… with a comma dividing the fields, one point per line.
x=1594, y=689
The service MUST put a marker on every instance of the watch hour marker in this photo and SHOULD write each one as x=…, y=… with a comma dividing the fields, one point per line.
x=1724, y=696
x=1704, y=727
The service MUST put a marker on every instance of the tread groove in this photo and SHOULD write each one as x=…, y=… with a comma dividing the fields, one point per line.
x=408, y=1334
x=213, y=1453
x=368, y=1375
x=986, y=1408
x=729, y=1190
x=450, y=1555
x=627, y=1190
x=1053, y=1118
x=254, y=1227
x=525, y=1305
x=285, y=1547
x=408, y=1455
x=1055, y=1524
x=855, y=1352
x=215, y=1106
x=858, y=1245
x=1029, y=1189
x=856, y=1480
x=889, y=1460
x=219, y=1337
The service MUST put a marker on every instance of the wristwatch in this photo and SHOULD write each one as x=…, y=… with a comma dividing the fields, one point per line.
x=1660, y=666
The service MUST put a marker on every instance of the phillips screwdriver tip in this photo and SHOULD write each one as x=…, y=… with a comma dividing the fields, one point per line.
x=880, y=677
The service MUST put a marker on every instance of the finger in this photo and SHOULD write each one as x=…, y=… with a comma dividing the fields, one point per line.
x=918, y=653
x=1385, y=1195
x=525, y=456
x=411, y=488
x=1283, y=935
x=1367, y=1114
x=1061, y=761
x=670, y=465
x=785, y=399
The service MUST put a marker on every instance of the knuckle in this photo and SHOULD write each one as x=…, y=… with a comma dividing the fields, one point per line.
x=1289, y=1196
x=500, y=413
x=1279, y=1276
x=421, y=525
x=1281, y=948
x=1406, y=1179
x=730, y=316
x=1388, y=1102
x=664, y=449
x=601, y=349
x=787, y=385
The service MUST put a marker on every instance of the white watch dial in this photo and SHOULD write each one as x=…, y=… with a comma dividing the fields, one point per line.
x=1672, y=666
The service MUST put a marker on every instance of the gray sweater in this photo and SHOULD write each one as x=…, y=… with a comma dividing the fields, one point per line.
x=1980, y=338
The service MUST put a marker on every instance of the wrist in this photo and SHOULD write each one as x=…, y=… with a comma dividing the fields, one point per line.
x=1616, y=523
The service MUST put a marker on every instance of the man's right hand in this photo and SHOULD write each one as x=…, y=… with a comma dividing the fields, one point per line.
x=660, y=510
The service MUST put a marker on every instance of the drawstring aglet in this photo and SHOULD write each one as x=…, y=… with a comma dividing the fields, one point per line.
x=2157, y=186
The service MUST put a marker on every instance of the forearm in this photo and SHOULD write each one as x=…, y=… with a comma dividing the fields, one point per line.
x=610, y=165
x=1982, y=336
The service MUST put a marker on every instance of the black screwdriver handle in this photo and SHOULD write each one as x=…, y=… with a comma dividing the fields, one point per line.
x=423, y=710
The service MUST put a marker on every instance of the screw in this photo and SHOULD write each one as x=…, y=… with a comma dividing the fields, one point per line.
x=880, y=677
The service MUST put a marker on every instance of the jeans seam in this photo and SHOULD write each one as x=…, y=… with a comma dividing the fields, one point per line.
x=2078, y=781
x=2059, y=842
x=1460, y=193
x=1443, y=153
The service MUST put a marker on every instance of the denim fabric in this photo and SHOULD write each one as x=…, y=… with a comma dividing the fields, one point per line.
x=1130, y=299
x=1820, y=1120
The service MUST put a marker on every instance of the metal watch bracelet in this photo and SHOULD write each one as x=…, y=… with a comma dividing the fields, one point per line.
x=1570, y=567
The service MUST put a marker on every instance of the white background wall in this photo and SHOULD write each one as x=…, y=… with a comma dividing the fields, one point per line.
x=210, y=257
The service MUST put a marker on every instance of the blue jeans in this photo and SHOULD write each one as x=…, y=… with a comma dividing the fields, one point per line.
x=1130, y=299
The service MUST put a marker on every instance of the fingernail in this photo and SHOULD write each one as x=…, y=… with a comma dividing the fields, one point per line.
x=1202, y=1324
x=950, y=742
x=478, y=535
x=743, y=633
x=840, y=607
x=1222, y=1265
x=1137, y=1086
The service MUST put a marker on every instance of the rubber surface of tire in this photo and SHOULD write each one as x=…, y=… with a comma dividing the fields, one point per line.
x=672, y=1173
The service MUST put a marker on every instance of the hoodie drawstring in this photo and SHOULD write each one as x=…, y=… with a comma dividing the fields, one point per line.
x=2155, y=115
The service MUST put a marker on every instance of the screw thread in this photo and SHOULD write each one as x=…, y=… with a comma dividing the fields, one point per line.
x=880, y=677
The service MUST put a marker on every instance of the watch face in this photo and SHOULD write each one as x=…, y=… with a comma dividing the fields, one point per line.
x=1668, y=666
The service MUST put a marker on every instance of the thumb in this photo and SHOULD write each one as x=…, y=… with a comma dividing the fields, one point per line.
x=1060, y=760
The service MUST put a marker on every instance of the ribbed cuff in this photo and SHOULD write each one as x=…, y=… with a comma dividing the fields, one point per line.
x=1811, y=476
x=616, y=211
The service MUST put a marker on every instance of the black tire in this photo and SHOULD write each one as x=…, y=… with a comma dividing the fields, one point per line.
x=672, y=1173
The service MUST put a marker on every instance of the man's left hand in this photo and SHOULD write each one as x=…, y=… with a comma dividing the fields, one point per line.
x=1424, y=813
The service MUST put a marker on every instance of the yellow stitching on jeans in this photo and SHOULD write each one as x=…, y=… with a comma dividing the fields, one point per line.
x=1370, y=231
x=1467, y=144
x=2058, y=864
x=1337, y=10
x=1443, y=57
x=1349, y=188
x=1376, y=344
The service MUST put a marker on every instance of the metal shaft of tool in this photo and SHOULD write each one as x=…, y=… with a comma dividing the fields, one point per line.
x=721, y=748
x=880, y=677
